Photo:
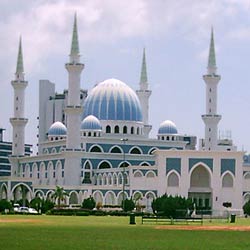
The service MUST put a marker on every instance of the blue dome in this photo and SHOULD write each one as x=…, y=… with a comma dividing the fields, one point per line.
x=167, y=127
x=57, y=129
x=91, y=123
x=113, y=100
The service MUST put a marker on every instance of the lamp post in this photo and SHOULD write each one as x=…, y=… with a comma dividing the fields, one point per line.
x=123, y=173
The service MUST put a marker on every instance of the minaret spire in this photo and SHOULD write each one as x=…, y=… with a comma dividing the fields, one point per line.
x=143, y=94
x=19, y=121
x=75, y=52
x=211, y=118
x=19, y=67
x=144, y=76
x=211, y=67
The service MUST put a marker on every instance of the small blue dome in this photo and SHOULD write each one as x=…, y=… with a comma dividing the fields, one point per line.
x=113, y=100
x=57, y=129
x=167, y=127
x=91, y=123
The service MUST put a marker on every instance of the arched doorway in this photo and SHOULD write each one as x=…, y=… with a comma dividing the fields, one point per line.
x=200, y=187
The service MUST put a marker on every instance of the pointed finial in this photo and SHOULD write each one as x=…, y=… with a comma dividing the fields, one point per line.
x=19, y=66
x=144, y=77
x=211, y=58
x=74, y=54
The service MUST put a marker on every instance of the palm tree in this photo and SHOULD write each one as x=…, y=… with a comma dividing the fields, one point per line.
x=59, y=195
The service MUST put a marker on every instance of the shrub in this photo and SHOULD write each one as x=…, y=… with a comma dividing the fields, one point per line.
x=36, y=203
x=47, y=205
x=246, y=208
x=88, y=203
x=171, y=206
x=129, y=205
x=4, y=204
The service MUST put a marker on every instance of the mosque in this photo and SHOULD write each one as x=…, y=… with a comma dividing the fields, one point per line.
x=96, y=143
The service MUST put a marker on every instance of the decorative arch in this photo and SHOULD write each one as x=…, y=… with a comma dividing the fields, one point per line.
x=73, y=197
x=99, y=180
x=117, y=129
x=124, y=164
x=108, y=129
x=45, y=151
x=3, y=192
x=104, y=165
x=200, y=176
x=150, y=174
x=137, y=195
x=126, y=179
x=35, y=170
x=150, y=195
x=151, y=151
x=115, y=179
x=98, y=197
x=227, y=180
x=96, y=149
x=110, y=198
x=21, y=191
x=39, y=194
x=120, y=179
x=173, y=178
x=120, y=197
x=42, y=169
x=109, y=179
x=53, y=151
x=49, y=195
x=246, y=197
x=144, y=163
x=135, y=150
x=104, y=180
x=125, y=130
x=138, y=174
x=116, y=150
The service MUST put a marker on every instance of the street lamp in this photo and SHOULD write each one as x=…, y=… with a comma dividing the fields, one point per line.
x=123, y=173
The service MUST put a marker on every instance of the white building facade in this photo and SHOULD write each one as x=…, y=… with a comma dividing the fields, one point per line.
x=97, y=143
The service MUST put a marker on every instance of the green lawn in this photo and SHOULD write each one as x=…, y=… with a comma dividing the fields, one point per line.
x=72, y=233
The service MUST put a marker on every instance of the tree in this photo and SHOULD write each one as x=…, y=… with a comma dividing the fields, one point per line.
x=4, y=204
x=36, y=203
x=88, y=203
x=172, y=206
x=129, y=205
x=59, y=195
x=246, y=208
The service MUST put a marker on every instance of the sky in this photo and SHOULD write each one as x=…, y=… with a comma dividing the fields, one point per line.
x=112, y=35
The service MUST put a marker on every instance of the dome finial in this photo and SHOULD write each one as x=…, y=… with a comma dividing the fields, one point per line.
x=19, y=66
x=144, y=77
x=211, y=58
x=74, y=54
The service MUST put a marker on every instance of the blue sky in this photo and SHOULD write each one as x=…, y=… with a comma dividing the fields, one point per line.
x=112, y=35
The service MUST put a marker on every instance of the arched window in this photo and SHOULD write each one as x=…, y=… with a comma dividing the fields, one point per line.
x=116, y=150
x=145, y=164
x=117, y=129
x=104, y=165
x=150, y=174
x=108, y=129
x=135, y=151
x=125, y=130
x=227, y=180
x=138, y=174
x=173, y=180
x=132, y=130
x=95, y=149
x=124, y=164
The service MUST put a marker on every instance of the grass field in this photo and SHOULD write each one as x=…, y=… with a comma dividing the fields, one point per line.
x=73, y=233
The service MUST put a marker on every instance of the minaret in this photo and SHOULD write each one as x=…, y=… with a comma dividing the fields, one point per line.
x=143, y=94
x=211, y=118
x=74, y=109
x=18, y=122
